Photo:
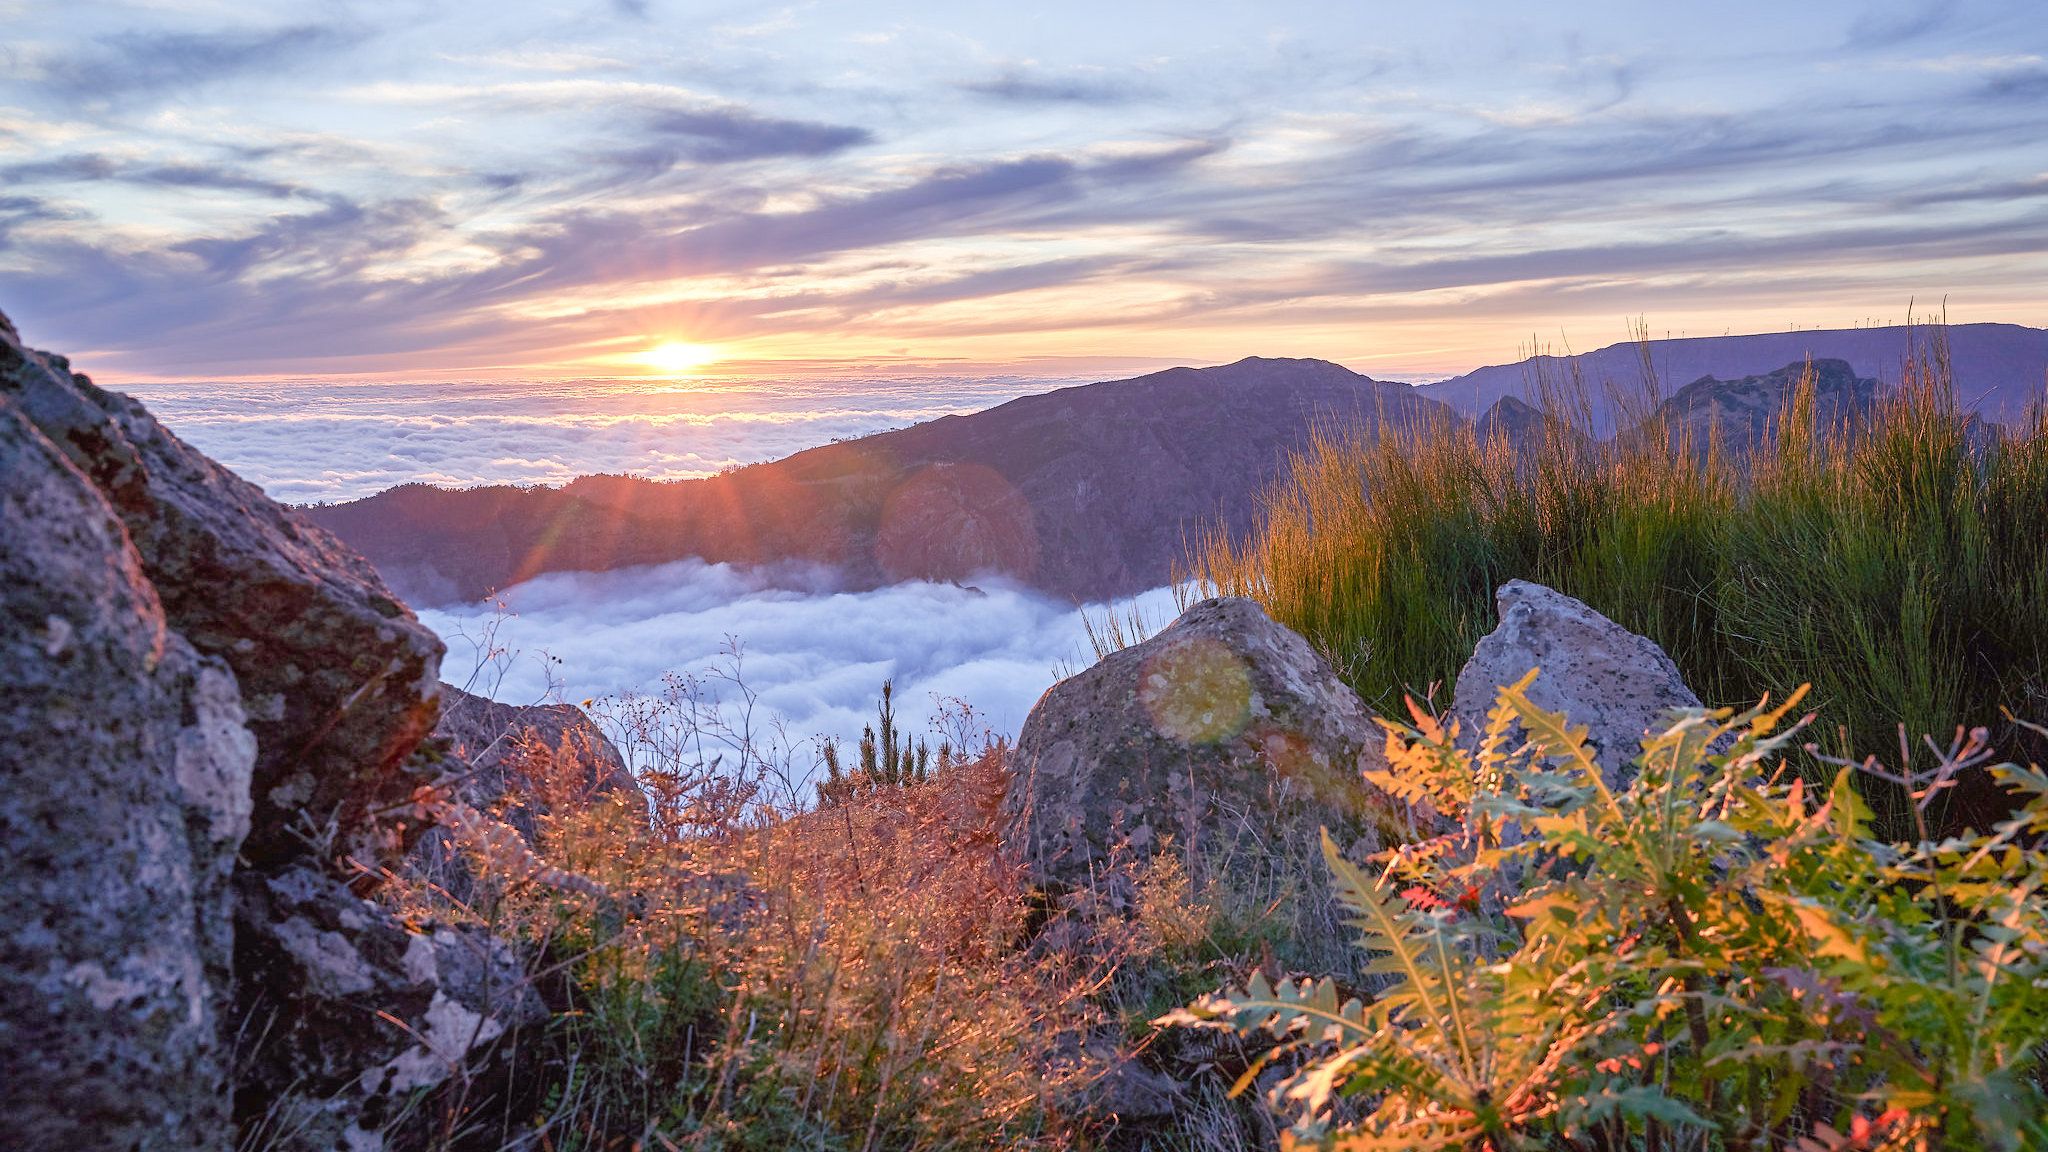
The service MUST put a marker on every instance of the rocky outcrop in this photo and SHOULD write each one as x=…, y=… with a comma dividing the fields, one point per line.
x=1739, y=415
x=1620, y=685
x=337, y=677
x=1225, y=731
x=208, y=731
x=487, y=738
x=509, y=762
x=124, y=786
x=2002, y=363
x=350, y=1015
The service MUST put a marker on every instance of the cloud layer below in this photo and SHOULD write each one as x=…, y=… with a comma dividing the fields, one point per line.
x=816, y=656
x=308, y=442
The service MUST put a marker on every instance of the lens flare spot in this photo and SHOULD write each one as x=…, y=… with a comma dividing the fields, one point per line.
x=1197, y=692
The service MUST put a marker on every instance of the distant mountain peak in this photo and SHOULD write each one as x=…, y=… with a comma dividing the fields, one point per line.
x=1999, y=368
x=1085, y=492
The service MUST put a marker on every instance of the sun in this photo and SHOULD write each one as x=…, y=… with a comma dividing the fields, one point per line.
x=678, y=356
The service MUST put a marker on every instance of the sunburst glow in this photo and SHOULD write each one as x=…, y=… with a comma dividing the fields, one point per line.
x=679, y=356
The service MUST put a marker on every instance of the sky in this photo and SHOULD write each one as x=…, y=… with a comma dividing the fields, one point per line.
x=433, y=189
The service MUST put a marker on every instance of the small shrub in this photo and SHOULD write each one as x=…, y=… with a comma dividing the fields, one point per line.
x=885, y=762
x=731, y=974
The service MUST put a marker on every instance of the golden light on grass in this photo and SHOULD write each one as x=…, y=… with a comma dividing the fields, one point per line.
x=679, y=356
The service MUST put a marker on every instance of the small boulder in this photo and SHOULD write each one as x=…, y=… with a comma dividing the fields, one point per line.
x=514, y=762
x=1225, y=731
x=1618, y=684
x=487, y=738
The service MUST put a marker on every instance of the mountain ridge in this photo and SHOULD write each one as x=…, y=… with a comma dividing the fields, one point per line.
x=2000, y=367
x=1085, y=492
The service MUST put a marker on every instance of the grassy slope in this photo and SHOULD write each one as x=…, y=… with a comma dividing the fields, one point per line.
x=1898, y=563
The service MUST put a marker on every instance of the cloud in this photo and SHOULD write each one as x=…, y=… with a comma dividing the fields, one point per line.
x=815, y=656
x=2027, y=86
x=945, y=201
x=140, y=63
x=305, y=443
x=1018, y=86
x=731, y=135
x=1902, y=24
x=92, y=167
x=16, y=211
x=343, y=231
x=570, y=180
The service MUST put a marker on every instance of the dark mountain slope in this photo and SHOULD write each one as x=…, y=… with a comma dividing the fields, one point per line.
x=1999, y=368
x=1746, y=410
x=1084, y=492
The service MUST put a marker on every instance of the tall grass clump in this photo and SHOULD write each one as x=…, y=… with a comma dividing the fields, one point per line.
x=1891, y=558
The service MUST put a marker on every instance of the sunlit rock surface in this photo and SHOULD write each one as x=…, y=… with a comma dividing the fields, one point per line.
x=337, y=677
x=208, y=731
x=1225, y=732
x=1599, y=674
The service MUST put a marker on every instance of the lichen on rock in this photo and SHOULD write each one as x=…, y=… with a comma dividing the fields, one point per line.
x=1225, y=733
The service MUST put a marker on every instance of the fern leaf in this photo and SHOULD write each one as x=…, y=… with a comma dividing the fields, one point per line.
x=1313, y=1006
x=1407, y=955
x=1560, y=740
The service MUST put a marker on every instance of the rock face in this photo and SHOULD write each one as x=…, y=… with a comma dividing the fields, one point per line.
x=1742, y=414
x=1999, y=366
x=337, y=677
x=493, y=751
x=124, y=793
x=325, y=1069
x=1620, y=685
x=486, y=737
x=210, y=705
x=1225, y=731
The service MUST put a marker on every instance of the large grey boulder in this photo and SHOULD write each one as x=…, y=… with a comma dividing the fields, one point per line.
x=337, y=677
x=124, y=794
x=210, y=720
x=1225, y=731
x=1618, y=684
x=1224, y=740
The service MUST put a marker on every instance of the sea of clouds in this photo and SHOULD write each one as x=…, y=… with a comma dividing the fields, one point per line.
x=815, y=656
x=307, y=442
x=814, y=653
